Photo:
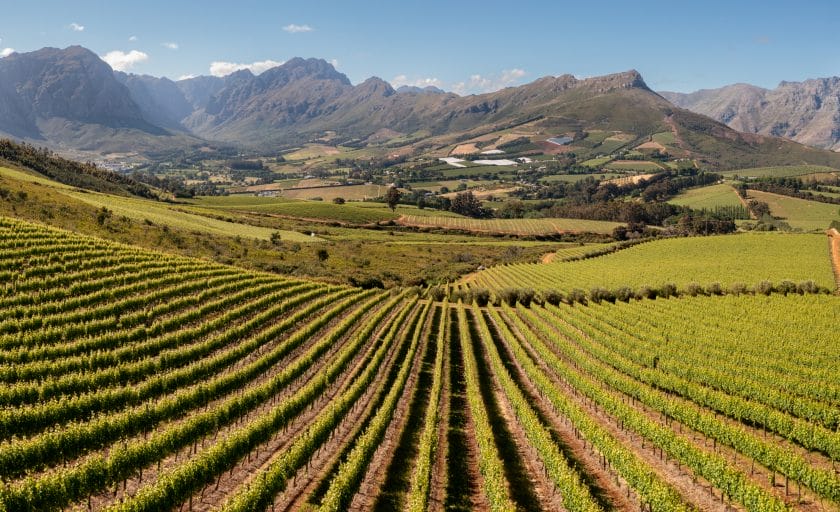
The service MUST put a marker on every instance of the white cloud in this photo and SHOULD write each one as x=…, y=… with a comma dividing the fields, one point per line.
x=5, y=52
x=132, y=38
x=478, y=84
x=334, y=63
x=122, y=61
x=75, y=27
x=294, y=29
x=171, y=46
x=401, y=80
x=221, y=68
x=186, y=77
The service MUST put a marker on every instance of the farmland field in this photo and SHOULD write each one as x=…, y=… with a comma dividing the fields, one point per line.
x=135, y=380
x=780, y=171
x=633, y=165
x=348, y=192
x=534, y=227
x=799, y=213
x=726, y=260
x=708, y=197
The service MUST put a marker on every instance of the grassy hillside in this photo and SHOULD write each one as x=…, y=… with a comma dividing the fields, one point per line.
x=799, y=213
x=708, y=197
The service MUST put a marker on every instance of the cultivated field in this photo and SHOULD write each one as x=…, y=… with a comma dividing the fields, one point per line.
x=533, y=227
x=726, y=260
x=710, y=197
x=134, y=380
x=780, y=171
x=799, y=213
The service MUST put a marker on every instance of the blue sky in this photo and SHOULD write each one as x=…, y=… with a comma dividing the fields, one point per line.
x=466, y=46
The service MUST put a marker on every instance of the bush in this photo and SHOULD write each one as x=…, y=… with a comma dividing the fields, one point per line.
x=553, y=297
x=481, y=296
x=338, y=200
x=437, y=293
x=456, y=296
x=599, y=294
x=715, y=289
x=526, y=296
x=509, y=296
x=808, y=287
x=786, y=287
x=577, y=295
x=764, y=288
x=668, y=290
x=624, y=294
x=738, y=289
x=694, y=289
x=646, y=292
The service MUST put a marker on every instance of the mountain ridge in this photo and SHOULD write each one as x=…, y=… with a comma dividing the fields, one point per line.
x=807, y=111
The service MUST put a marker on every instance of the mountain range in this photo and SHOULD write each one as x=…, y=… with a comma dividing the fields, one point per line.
x=70, y=98
x=807, y=112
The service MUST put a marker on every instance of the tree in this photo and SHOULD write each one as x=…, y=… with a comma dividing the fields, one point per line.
x=465, y=203
x=338, y=200
x=392, y=197
x=323, y=254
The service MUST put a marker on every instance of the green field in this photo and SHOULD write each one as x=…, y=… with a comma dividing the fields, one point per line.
x=799, y=213
x=743, y=258
x=347, y=192
x=526, y=227
x=597, y=162
x=633, y=165
x=778, y=172
x=708, y=197
x=321, y=210
x=574, y=178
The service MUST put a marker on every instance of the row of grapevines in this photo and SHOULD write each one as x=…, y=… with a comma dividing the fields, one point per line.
x=710, y=466
x=576, y=495
x=172, y=489
x=647, y=484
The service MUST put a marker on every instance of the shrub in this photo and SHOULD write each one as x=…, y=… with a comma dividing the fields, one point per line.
x=526, y=296
x=668, y=290
x=553, y=297
x=715, y=289
x=481, y=296
x=437, y=293
x=694, y=289
x=764, y=288
x=808, y=287
x=786, y=287
x=577, y=295
x=624, y=294
x=338, y=200
x=598, y=294
x=509, y=296
x=738, y=289
x=646, y=292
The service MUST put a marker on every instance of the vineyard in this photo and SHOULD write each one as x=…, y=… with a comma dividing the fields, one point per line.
x=139, y=381
x=723, y=261
x=533, y=227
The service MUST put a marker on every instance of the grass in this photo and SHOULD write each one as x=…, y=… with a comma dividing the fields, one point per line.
x=779, y=171
x=348, y=192
x=799, y=213
x=527, y=227
x=477, y=170
x=634, y=165
x=597, y=162
x=574, y=178
x=328, y=211
x=743, y=258
x=708, y=197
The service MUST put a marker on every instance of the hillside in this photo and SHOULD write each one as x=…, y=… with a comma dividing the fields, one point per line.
x=807, y=112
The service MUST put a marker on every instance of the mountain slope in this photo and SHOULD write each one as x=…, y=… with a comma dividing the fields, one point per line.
x=807, y=112
x=70, y=98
